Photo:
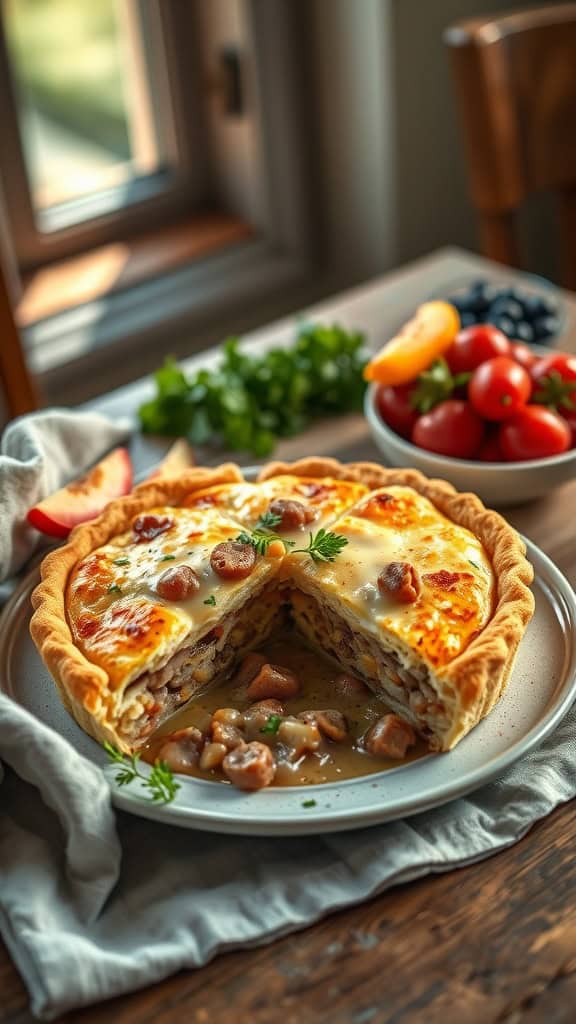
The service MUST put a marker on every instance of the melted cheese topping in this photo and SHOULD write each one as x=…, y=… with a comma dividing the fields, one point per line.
x=118, y=619
x=246, y=502
x=396, y=524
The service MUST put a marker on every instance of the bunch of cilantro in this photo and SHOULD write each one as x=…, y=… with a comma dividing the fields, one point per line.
x=250, y=401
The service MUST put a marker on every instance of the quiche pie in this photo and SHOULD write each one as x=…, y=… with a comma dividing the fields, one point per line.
x=419, y=590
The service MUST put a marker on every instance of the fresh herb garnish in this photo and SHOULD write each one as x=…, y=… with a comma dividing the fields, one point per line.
x=168, y=558
x=308, y=803
x=114, y=589
x=210, y=600
x=268, y=521
x=324, y=546
x=160, y=782
x=121, y=561
x=260, y=540
x=250, y=401
x=272, y=724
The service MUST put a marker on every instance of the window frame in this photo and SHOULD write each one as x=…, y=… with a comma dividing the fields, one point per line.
x=276, y=270
x=85, y=222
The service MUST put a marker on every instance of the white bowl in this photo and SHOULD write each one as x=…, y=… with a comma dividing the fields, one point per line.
x=496, y=483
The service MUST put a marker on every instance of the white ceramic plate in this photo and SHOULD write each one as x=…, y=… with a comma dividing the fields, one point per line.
x=540, y=692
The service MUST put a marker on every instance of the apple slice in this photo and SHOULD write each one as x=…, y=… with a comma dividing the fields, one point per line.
x=85, y=498
x=178, y=458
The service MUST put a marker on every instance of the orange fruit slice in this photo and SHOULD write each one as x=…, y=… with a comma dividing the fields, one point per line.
x=428, y=335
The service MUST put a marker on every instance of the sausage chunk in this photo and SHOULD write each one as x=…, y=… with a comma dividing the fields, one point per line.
x=251, y=766
x=228, y=735
x=300, y=737
x=249, y=667
x=232, y=560
x=273, y=681
x=400, y=581
x=258, y=714
x=293, y=514
x=352, y=687
x=182, y=748
x=390, y=736
x=149, y=526
x=330, y=722
x=178, y=583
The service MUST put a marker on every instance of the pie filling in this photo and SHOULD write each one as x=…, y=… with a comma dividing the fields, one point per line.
x=154, y=696
x=406, y=688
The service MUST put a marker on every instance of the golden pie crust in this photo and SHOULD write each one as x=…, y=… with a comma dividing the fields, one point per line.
x=470, y=684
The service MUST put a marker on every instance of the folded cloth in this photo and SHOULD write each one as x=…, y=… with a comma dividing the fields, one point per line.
x=79, y=936
x=39, y=453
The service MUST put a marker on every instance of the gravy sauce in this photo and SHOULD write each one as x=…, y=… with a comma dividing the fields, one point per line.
x=332, y=761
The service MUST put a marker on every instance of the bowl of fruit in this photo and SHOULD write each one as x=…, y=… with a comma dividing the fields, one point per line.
x=489, y=414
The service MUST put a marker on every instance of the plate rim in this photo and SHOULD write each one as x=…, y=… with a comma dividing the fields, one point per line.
x=329, y=819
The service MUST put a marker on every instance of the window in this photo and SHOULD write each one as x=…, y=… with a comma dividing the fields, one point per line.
x=141, y=137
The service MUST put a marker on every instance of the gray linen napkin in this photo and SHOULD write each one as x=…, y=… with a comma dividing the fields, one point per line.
x=78, y=936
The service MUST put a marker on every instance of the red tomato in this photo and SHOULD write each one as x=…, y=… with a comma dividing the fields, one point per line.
x=491, y=450
x=534, y=433
x=499, y=388
x=522, y=354
x=570, y=416
x=393, y=404
x=474, y=345
x=451, y=428
x=554, y=378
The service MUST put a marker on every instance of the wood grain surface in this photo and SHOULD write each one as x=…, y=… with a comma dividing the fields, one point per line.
x=494, y=943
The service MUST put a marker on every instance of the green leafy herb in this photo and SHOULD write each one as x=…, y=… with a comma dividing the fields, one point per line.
x=168, y=558
x=160, y=783
x=308, y=803
x=477, y=565
x=268, y=521
x=435, y=385
x=250, y=401
x=260, y=540
x=114, y=589
x=210, y=600
x=272, y=724
x=121, y=561
x=324, y=546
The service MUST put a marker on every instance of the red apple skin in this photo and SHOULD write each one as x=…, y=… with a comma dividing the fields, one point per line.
x=84, y=499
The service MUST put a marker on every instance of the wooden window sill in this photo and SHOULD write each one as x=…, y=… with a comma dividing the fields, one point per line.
x=111, y=268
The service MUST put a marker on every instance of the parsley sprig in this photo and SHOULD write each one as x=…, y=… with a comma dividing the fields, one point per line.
x=324, y=546
x=248, y=402
x=260, y=537
x=160, y=783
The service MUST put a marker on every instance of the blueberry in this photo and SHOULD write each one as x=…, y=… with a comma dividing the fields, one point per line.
x=524, y=332
x=482, y=295
x=534, y=307
x=467, y=319
x=545, y=327
x=504, y=324
x=460, y=302
x=508, y=308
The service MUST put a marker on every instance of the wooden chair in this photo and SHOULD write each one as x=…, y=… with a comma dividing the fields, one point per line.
x=516, y=85
x=18, y=393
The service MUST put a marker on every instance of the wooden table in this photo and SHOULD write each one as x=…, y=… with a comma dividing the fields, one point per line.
x=495, y=942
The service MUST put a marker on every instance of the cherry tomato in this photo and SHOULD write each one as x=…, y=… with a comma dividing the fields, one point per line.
x=499, y=388
x=570, y=416
x=451, y=428
x=394, y=407
x=534, y=433
x=522, y=354
x=474, y=345
x=491, y=450
x=554, y=378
